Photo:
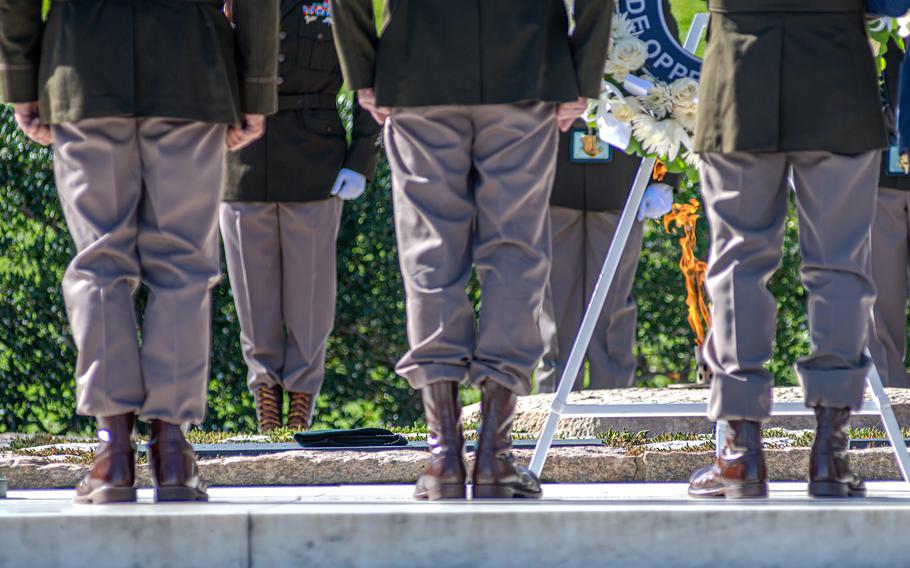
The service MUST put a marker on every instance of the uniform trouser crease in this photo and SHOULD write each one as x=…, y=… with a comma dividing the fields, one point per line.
x=140, y=197
x=471, y=187
x=281, y=262
x=746, y=202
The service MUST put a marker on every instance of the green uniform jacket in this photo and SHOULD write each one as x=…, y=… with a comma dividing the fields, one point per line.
x=789, y=75
x=470, y=52
x=304, y=145
x=166, y=58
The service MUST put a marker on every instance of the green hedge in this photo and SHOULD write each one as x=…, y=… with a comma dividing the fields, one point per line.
x=37, y=354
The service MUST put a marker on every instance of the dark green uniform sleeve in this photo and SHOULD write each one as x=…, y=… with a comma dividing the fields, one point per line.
x=590, y=42
x=256, y=35
x=356, y=40
x=363, y=153
x=20, y=49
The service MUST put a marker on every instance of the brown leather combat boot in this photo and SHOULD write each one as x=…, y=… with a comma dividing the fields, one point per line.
x=829, y=465
x=172, y=464
x=495, y=474
x=300, y=412
x=445, y=475
x=268, y=407
x=114, y=467
x=739, y=472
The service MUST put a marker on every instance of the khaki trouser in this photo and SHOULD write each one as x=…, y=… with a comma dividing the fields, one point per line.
x=140, y=197
x=890, y=235
x=471, y=187
x=746, y=202
x=281, y=262
x=581, y=240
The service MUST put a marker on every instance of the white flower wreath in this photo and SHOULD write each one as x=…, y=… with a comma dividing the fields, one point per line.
x=640, y=114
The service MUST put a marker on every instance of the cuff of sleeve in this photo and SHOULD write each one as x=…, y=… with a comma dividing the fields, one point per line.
x=360, y=75
x=259, y=96
x=362, y=157
x=19, y=85
x=588, y=88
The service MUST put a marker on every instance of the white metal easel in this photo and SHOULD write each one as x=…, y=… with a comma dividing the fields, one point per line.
x=561, y=407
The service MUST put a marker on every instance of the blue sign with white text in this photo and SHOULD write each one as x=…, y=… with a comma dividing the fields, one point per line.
x=667, y=60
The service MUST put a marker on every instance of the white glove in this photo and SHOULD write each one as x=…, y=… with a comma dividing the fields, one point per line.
x=657, y=201
x=349, y=185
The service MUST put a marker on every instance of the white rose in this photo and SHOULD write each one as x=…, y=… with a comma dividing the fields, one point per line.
x=615, y=70
x=684, y=91
x=630, y=53
x=625, y=110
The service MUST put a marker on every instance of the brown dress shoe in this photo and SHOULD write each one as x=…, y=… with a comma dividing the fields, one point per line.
x=739, y=472
x=495, y=474
x=114, y=467
x=445, y=475
x=172, y=464
x=300, y=411
x=829, y=465
x=268, y=407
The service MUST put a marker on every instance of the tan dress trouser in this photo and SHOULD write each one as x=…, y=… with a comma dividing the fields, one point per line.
x=890, y=236
x=581, y=240
x=746, y=202
x=141, y=197
x=281, y=262
x=471, y=187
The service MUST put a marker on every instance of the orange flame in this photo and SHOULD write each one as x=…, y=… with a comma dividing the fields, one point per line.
x=685, y=216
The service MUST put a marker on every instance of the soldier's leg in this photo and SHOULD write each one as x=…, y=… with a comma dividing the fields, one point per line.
x=99, y=182
x=182, y=168
x=430, y=156
x=836, y=201
x=515, y=159
x=252, y=249
x=564, y=302
x=745, y=198
x=888, y=344
x=836, y=195
x=611, y=354
x=308, y=235
x=429, y=151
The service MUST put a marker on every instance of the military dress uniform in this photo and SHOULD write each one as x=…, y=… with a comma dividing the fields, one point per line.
x=139, y=135
x=891, y=248
x=279, y=221
x=585, y=208
x=472, y=145
x=778, y=95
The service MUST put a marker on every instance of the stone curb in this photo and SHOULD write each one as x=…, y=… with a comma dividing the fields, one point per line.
x=532, y=412
x=565, y=465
